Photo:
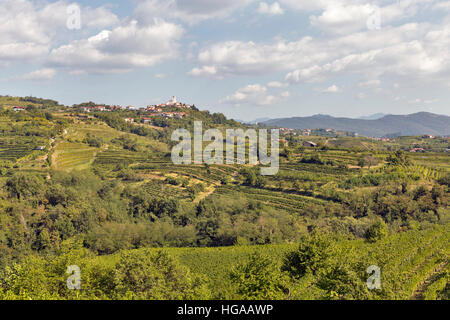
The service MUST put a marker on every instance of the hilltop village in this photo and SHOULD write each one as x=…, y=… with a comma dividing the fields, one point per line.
x=170, y=109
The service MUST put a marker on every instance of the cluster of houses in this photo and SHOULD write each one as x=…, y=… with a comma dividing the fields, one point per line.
x=305, y=132
x=380, y=139
x=152, y=108
x=176, y=115
x=101, y=108
x=149, y=117
x=158, y=111
x=171, y=103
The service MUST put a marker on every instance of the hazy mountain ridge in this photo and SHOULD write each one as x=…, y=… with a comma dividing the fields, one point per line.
x=374, y=116
x=412, y=124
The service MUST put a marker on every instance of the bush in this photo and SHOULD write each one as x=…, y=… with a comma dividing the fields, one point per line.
x=445, y=180
x=313, y=253
x=93, y=141
x=377, y=231
x=150, y=275
x=173, y=181
x=259, y=278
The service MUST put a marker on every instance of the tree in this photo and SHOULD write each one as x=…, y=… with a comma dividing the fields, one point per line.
x=313, y=253
x=259, y=278
x=343, y=281
x=25, y=185
x=371, y=161
x=148, y=274
x=377, y=231
x=361, y=162
x=398, y=158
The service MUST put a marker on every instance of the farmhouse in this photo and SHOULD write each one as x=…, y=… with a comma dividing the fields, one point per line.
x=417, y=150
x=179, y=115
x=309, y=144
x=18, y=109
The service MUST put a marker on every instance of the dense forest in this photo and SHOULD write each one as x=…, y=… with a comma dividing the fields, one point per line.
x=99, y=192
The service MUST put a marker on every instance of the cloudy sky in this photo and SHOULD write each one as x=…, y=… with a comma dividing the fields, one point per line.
x=246, y=58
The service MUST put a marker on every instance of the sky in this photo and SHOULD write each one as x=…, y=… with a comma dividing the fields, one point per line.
x=248, y=59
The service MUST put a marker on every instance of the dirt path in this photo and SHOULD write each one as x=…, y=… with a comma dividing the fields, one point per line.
x=206, y=193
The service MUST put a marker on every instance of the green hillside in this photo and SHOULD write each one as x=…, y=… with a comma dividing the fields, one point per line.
x=98, y=191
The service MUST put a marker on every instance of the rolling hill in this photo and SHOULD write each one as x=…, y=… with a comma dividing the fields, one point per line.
x=389, y=125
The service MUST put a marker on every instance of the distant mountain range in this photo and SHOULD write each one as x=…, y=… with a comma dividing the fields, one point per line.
x=375, y=116
x=258, y=120
x=377, y=126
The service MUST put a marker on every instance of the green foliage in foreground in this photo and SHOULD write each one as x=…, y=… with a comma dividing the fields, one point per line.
x=319, y=267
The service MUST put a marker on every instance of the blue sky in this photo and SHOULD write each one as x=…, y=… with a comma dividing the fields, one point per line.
x=246, y=58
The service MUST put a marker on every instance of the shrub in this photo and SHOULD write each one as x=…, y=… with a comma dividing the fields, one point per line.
x=377, y=231
x=313, y=253
x=259, y=278
x=146, y=274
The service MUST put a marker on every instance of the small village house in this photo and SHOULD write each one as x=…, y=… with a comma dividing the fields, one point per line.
x=309, y=144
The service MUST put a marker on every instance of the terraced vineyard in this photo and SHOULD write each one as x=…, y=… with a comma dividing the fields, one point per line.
x=115, y=156
x=73, y=156
x=12, y=152
x=280, y=200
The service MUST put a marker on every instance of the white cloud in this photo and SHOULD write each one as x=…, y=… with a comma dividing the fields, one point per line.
x=28, y=29
x=277, y=84
x=362, y=95
x=42, y=74
x=370, y=83
x=309, y=5
x=254, y=94
x=191, y=12
x=442, y=5
x=273, y=9
x=343, y=19
x=347, y=16
x=22, y=52
x=250, y=58
x=420, y=52
x=285, y=94
x=121, y=49
x=41, y=22
x=412, y=49
x=332, y=89
x=208, y=71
